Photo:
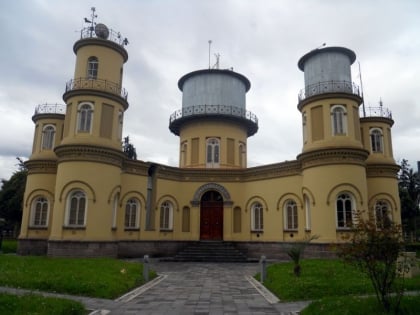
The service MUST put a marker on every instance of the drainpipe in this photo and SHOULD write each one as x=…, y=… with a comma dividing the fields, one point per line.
x=149, y=200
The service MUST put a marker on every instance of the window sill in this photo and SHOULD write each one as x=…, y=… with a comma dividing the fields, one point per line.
x=74, y=227
x=257, y=231
x=40, y=227
x=166, y=230
x=130, y=229
x=290, y=230
x=344, y=229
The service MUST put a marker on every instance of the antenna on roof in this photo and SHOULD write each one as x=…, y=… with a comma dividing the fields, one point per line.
x=216, y=65
x=361, y=88
x=92, y=20
x=209, y=52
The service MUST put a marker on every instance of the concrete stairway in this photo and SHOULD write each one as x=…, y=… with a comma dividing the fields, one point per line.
x=210, y=251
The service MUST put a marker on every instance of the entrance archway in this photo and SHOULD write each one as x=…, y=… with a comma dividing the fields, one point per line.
x=211, y=216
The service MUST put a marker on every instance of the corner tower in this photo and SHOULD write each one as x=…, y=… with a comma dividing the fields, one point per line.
x=213, y=124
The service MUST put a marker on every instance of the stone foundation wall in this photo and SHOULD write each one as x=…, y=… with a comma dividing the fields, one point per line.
x=82, y=249
x=132, y=249
x=35, y=247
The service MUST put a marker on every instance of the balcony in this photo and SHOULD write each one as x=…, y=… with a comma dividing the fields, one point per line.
x=96, y=84
x=224, y=111
x=50, y=109
x=329, y=87
x=107, y=34
x=380, y=111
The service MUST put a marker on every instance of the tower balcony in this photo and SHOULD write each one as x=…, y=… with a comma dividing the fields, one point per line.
x=97, y=85
x=380, y=111
x=329, y=87
x=196, y=112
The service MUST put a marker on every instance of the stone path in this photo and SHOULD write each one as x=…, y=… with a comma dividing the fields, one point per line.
x=196, y=289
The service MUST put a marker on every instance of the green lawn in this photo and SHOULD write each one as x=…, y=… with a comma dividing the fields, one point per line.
x=37, y=305
x=9, y=246
x=95, y=277
x=321, y=278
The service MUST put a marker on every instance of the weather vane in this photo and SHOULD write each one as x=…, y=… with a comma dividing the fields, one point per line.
x=92, y=20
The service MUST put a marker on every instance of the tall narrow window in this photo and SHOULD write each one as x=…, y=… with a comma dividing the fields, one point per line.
x=308, y=213
x=115, y=210
x=304, y=127
x=120, y=124
x=376, y=140
x=183, y=157
x=344, y=208
x=92, y=69
x=166, y=213
x=257, y=217
x=338, y=120
x=48, y=136
x=131, y=213
x=291, y=215
x=76, y=208
x=213, y=152
x=40, y=212
x=242, y=155
x=382, y=214
x=85, y=115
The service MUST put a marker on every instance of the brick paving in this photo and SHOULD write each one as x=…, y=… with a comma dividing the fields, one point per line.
x=196, y=289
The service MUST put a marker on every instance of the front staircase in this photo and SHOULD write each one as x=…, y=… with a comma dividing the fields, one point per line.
x=209, y=251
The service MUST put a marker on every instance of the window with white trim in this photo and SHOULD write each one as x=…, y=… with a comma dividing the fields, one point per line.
x=85, y=116
x=132, y=208
x=92, y=68
x=40, y=212
x=290, y=215
x=166, y=215
x=339, y=120
x=48, y=136
x=257, y=217
x=213, y=152
x=307, y=212
x=382, y=214
x=344, y=210
x=76, y=208
x=376, y=140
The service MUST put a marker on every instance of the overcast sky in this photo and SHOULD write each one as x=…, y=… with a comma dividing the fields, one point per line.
x=260, y=39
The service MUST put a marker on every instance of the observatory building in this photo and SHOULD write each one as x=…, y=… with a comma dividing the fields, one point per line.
x=85, y=196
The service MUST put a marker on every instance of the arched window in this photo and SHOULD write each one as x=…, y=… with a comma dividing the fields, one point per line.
x=85, y=115
x=339, y=120
x=166, y=215
x=257, y=217
x=382, y=214
x=132, y=208
x=40, y=212
x=48, y=136
x=290, y=215
x=344, y=208
x=213, y=152
x=76, y=208
x=92, y=69
x=376, y=140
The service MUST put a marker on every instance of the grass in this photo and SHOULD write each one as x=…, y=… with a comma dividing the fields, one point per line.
x=94, y=277
x=9, y=246
x=321, y=278
x=358, y=305
x=33, y=304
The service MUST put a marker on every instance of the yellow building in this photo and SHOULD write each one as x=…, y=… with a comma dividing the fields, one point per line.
x=85, y=197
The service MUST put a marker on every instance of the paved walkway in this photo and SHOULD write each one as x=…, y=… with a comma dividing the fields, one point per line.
x=196, y=289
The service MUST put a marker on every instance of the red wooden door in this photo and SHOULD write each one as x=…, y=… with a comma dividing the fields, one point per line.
x=211, y=216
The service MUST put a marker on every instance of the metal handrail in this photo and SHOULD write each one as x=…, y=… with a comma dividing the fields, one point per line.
x=96, y=84
x=329, y=87
x=196, y=110
x=89, y=32
x=375, y=112
x=50, y=109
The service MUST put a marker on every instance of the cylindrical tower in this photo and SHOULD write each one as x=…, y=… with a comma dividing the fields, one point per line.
x=213, y=123
x=333, y=157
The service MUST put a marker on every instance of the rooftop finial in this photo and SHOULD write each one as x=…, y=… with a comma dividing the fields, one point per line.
x=92, y=19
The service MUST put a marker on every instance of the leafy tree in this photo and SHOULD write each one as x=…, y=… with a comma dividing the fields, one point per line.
x=129, y=149
x=375, y=252
x=11, y=196
x=296, y=252
x=409, y=191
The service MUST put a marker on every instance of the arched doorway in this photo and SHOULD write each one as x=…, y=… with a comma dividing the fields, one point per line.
x=211, y=216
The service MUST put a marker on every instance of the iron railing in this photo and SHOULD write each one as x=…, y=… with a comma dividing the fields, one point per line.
x=96, y=84
x=213, y=110
x=89, y=32
x=329, y=87
x=375, y=112
x=50, y=109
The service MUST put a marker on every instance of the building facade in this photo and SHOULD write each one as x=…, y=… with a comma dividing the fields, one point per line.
x=85, y=197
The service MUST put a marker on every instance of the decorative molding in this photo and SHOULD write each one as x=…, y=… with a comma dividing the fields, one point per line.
x=211, y=186
x=382, y=170
x=41, y=166
x=333, y=156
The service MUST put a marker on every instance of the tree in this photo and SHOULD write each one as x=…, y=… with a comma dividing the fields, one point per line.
x=129, y=149
x=11, y=196
x=409, y=191
x=375, y=252
x=296, y=252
